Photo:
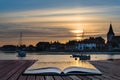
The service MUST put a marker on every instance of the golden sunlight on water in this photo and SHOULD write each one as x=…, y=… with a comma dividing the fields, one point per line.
x=60, y=61
x=62, y=65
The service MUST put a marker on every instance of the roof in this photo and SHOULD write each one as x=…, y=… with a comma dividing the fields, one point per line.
x=116, y=37
x=110, y=30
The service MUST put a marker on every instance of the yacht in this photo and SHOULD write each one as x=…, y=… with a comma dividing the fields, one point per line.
x=21, y=51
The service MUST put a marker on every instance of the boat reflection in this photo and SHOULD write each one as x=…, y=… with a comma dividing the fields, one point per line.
x=81, y=56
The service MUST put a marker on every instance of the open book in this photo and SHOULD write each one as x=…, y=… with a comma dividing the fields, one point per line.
x=65, y=68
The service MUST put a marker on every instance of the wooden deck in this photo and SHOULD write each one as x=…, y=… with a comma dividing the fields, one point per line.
x=13, y=69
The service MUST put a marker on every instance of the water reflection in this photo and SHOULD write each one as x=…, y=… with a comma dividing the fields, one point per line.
x=60, y=61
x=81, y=56
x=4, y=56
x=63, y=65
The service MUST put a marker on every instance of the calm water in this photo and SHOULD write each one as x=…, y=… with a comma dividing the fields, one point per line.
x=37, y=56
x=60, y=61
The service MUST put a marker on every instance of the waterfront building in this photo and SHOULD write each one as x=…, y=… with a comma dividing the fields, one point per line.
x=113, y=41
x=91, y=44
x=85, y=46
x=42, y=46
x=110, y=34
x=71, y=45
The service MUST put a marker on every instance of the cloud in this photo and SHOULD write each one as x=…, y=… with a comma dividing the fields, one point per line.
x=54, y=23
x=58, y=14
x=54, y=11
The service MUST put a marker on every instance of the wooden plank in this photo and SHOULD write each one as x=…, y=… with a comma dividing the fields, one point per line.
x=107, y=77
x=75, y=78
x=58, y=78
x=8, y=68
x=2, y=62
x=5, y=63
x=66, y=78
x=22, y=77
x=93, y=78
x=20, y=70
x=49, y=78
x=84, y=78
x=11, y=69
x=102, y=78
x=11, y=72
x=31, y=77
x=40, y=77
x=108, y=69
x=16, y=72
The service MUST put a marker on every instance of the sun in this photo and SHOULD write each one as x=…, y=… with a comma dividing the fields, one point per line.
x=76, y=31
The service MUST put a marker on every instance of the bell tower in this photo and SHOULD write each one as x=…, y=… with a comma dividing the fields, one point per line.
x=110, y=33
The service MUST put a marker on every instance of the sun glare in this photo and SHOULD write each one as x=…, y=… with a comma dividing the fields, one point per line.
x=77, y=34
x=76, y=31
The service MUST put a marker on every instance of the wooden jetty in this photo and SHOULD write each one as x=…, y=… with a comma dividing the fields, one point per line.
x=13, y=69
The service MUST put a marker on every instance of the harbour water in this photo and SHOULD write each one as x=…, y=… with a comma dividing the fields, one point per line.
x=60, y=61
x=48, y=56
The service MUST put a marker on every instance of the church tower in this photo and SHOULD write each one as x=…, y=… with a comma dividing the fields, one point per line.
x=110, y=33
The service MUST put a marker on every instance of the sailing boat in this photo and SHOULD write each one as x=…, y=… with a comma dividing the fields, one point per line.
x=21, y=51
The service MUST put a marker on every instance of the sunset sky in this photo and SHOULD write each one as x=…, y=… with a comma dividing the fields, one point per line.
x=56, y=20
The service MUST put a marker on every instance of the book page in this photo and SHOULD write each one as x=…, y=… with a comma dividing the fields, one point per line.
x=45, y=70
x=81, y=70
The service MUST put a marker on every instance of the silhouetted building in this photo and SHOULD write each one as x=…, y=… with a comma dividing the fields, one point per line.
x=112, y=40
x=115, y=42
x=31, y=48
x=91, y=44
x=56, y=46
x=110, y=34
x=43, y=46
x=70, y=46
